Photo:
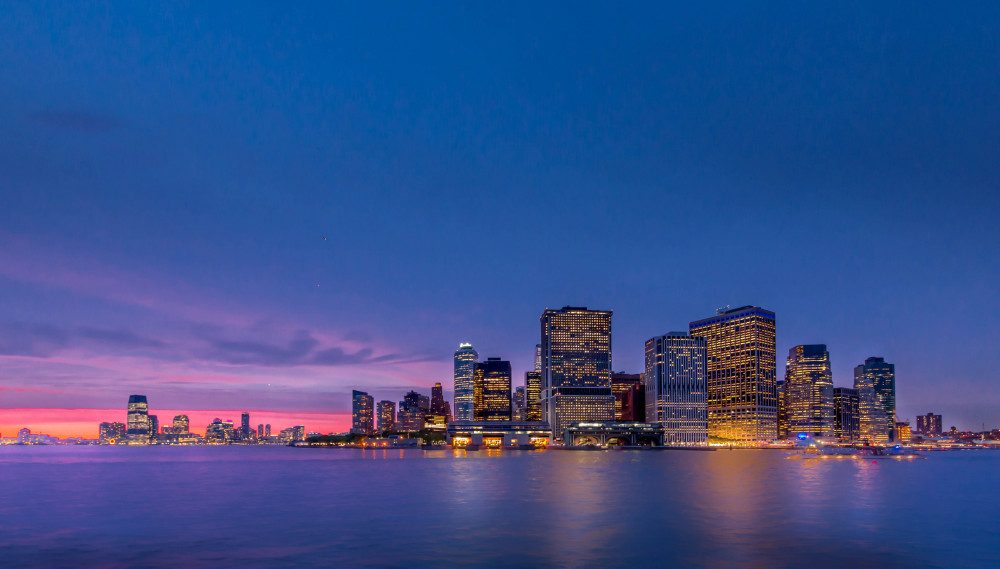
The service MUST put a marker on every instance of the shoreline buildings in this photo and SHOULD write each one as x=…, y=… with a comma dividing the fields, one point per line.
x=362, y=413
x=741, y=374
x=808, y=390
x=465, y=365
x=675, y=387
x=491, y=384
x=882, y=378
x=576, y=367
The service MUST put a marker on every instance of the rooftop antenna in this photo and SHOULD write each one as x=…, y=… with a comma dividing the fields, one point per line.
x=723, y=310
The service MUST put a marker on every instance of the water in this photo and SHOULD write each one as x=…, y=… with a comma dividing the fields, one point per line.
x=252, y=507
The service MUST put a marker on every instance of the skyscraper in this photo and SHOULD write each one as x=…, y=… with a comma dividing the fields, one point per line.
x=267, y=430
x=872, y=419
x=386, y=416
x=538, y=358
x=621, y=384
x=362, y=413
x=742, y=389
x=154, y=425
x=111, y=433
x=532, y=396
x=245, y=425
x=576, y=367
x=437, y=400
x=465, y=363
x=181, y=424
x=929, y=424
x=138, y=415
x=517, y=413
x=809, y=391
x=260, y=431
x=491, y=390
x=882, y=377
x=675, y=384
x=412, y=411
x=846, y=426
x=782, y=410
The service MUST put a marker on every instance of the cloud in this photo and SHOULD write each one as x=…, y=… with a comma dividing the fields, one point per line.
x=74, y=121
x=43, y=341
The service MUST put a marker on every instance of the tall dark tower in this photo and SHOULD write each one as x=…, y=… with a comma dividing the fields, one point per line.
x=491, y=390
x=882, y=378
x=809, y=391
x=138, y=415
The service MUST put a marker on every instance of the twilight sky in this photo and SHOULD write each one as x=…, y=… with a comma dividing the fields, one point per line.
x=168, y=173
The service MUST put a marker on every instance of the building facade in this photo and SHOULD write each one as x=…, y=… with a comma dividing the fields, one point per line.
x=386, y=416
x=412, y=410
x=676, y=387
x=517, y=403
x=741, y=374
x=809, y=391
x=362, y=413
x=882, y=377
x=782, y=410
x=533, y=395
x=846, y=423
x=465, y=366
x=111, y=433
x=929, y=424
x=137, y=420
x=621, y=384
x=874, y=423
x=576, y=367
x=491, y=390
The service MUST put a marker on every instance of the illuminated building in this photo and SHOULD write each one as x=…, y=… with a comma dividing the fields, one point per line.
x=929, y=424
x=882, y=377
x=576, y=367
x=621, y=384
x=903, y=431
x=112, y=433
x=23, y=436
x=782, y=410
x=219, y=431
x=292, y=434
x=533, y=396
x=873, y=422
x=260, y=430
x=614, y=433
x=741, y=384
x=809, y=391
x=267, y=430
x=410, y=417
x=245, y=425
x=465, y=364
x=154, y=425
x=362, y=413
x=491, y=390
x=138, y=415
x=386, y=416
x=438, y=405
x=675, y=386
x=499, y=434
x=181, y=424
x=517, y=414
x=846, y=423
x=538, y=358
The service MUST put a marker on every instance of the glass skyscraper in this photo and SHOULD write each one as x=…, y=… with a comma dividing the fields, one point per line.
x=675, y=383
x=845, y=414
x=576, y=367
x=465, y=365
x=741, y=380
x=533, y=396
x=362, y=413
x=809, y=391
x=138, y=415
x=491, y=390
x=872, y=419
x=386, y=416
x=882, y=377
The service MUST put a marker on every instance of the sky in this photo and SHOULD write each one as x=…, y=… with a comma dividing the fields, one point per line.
x=262, y=206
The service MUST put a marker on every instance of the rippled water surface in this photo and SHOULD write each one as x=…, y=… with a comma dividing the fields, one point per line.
x=283, y=507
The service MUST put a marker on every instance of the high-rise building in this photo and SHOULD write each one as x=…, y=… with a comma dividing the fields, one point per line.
x=538, y=358
x=219, y=431
x=517, y=412
x=491, y=390
x=882, y=377
x=412, y=411
x=362, y=413
x=112, y=433
x=154, y=425
x=621, y=383
x=809, y=391
x=181, y=424
x=245, y=425
x=576, y=367
x=533, y=396
x=260, y=431
x=675, y=386
x=741, y=379
x=873, y=422
x=437, y=400
x=386, y=416
x=634, y=404
x=903, y=431
x=929, y=424
x=138, y=415
x=782, y=410
x=267, y=430
x=465, y=365
x=846, y=423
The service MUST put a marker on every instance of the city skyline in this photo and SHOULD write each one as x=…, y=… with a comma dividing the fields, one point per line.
x=265, y=209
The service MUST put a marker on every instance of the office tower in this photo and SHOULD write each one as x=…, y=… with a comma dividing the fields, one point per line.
x=538, y=358
x=260, y=431
x=219, y=431
x=465, y=364
x=675, y=386
x=782, y=410
x=245, y=425
x=741, y=379
x=112, y=433
x=517, y=413
x=621, y=383
x=267, y=430
x=410, y=417
x=634, y=404
x=362, y=413
x=576, y=367
x=181, y=424
x=809, y=391
x=437, y=400
x=882, y=377
x=846, y=423
x=903, y=433
x=929, y=424
x=138, y=415
x=872, y=419
x=386, y=416
x=491, y=390
x=154, y=425
x=533, y=396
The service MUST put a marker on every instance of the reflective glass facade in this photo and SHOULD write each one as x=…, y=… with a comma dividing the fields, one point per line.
x=874, y=424
x=882, y=377
x=465, y=364
x=675, y=383
x=846, y=426
x=741, y=380
x=491, y=390
x=809, y=391
x=138, y=415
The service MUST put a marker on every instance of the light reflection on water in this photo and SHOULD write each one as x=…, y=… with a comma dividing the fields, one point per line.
x=281, y=507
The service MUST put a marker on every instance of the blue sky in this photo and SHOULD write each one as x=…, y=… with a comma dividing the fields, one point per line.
x=168, y=173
